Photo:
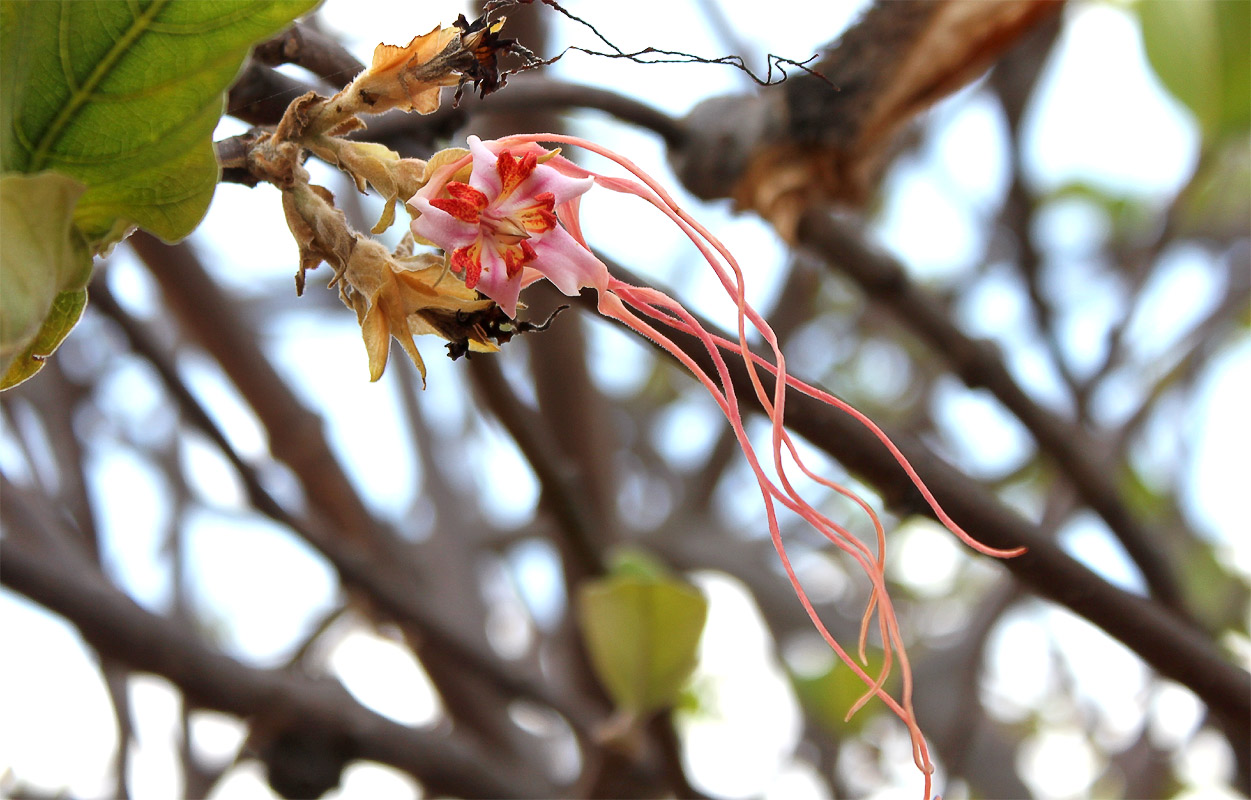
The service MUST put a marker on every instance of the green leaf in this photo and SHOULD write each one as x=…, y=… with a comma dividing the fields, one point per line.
x=1201, y=51
x=1128, y=215
x=638, y=563
x=642, y=635
x=1216, y=594
x=828, y=695
x=1233, y=31
x=61, y=319
x=124, y=98
x=45, y=267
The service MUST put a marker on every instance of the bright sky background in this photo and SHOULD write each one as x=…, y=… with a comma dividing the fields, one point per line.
x=1101, y=116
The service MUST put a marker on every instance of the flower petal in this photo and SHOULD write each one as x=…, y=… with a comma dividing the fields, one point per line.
x=513, y=171
x=545, y=180
x=438, y=226
x=486, y=175
x=538, y=217
x=465, y=203
x=568, y=264
x=496, y=284
x=467, y=261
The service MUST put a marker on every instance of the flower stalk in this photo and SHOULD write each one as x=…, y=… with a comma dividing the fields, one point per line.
x=394, y=295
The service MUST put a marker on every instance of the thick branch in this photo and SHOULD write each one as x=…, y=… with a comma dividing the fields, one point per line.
x=261, y=94
x=389, y=582
x=1174, y=649
x=120, y=629
x=885, y=281
x=828, y=139
x=313, y=50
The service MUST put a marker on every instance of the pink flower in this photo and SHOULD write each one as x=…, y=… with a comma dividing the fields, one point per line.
x=503, y=229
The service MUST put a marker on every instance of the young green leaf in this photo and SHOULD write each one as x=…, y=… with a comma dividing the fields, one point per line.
x=124, y=98
x=828, y=695
x=642, y=634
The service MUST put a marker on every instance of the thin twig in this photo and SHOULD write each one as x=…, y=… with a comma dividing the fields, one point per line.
x=885, y=281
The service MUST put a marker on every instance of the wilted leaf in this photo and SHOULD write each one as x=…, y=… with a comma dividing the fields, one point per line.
x=124, y=97
x=45, y=265
x=642, y=634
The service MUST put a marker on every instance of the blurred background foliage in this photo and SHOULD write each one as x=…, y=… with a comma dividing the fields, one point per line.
x=211, y=445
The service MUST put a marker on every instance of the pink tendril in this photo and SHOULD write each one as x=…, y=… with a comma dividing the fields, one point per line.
x=633, y=306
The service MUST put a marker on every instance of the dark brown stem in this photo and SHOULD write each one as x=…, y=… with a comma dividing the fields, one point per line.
x=311, y=49
x=261, y=94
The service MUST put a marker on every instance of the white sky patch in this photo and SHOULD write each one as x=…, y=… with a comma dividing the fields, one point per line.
x=242, y=565
x=1181, y=291
x=1217, y=485
x=244, y=782
x=132, y=395
x=535, y=566
x=215, y=737
x=926, y=557
x=130, y=282
x=1058, y=764
x=1017, y=674
x=619, y=363
x=798, y=781
x=1070, y=228
x=737, y=744
x=366, y=779
x=1110, y=682
x=58, y=732
x=153, y=769
x=687, y=429
x=324, y=360
x=507, y=490
x=1087, y=539
x=986, y=439
x=923, y=227
x=1101, y=116
x=969, y=147
x=225, y=406
x=384, y=677
x=132, y=504
x=1208, y=766
x=1175, y=715
x=209, y=474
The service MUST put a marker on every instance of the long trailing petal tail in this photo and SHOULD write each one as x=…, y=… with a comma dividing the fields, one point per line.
x=613, y=304
x=624, y=303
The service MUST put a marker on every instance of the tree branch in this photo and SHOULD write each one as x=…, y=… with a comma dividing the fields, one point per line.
x=1174, y=649
x=388, y=582
x=313, y=50
x=885, y=281
x=118, y=628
